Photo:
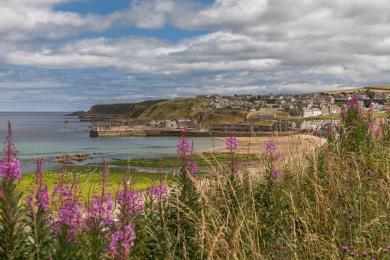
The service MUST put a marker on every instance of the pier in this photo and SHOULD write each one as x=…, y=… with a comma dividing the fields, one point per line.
x=158, y=132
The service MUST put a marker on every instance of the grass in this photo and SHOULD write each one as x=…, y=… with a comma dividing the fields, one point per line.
x=333, y=203
x=89, y=180
x=203, y=160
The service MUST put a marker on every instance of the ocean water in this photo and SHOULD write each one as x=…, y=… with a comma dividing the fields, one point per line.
x=49, y=134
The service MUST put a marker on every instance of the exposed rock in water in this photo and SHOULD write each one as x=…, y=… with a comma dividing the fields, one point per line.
x=73, y=158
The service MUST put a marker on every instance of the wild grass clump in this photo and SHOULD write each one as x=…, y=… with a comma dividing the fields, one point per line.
x=333, y=204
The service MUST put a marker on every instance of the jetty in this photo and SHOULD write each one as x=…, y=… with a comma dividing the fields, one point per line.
x=158, y=132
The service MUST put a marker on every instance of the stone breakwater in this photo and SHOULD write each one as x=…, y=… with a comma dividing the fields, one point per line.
x=177, y=132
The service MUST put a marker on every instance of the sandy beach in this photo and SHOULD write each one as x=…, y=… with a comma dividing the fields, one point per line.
x=291, y=149
x=285, y=144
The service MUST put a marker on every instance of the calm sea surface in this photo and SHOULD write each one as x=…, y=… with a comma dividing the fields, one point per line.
x=50, y=134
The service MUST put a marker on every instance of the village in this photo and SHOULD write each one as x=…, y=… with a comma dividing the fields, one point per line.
x=264, y=114
x=306, y=105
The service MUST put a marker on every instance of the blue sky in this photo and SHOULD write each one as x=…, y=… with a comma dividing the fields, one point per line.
x=66, y=55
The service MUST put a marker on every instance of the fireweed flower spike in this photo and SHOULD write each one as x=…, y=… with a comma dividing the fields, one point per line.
x=130, y=201
x=276, y=174
x=353, y=102
x=68, y=217
x=38, y=216
x=69, y=214
x=231, y=145
x=159, y=192
x=39, y=200
x=11, y=223
x=99, y=210
x=231, y=142
x=10, y=165
x=192, y=167
x=10, y=170
x=184, y=146
x=270, y=147
x=121, y=242
x=184, y=151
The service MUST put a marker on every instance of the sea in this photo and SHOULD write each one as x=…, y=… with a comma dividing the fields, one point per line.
x=50, y=134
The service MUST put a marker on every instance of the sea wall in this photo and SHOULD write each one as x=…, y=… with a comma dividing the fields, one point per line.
x=177, y=132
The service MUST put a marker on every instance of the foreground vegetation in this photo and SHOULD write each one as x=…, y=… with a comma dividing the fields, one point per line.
x=333, y=204
x=89, y=181
x=202, y=160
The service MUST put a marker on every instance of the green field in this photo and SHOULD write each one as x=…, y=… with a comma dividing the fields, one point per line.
x=89, y=176
x=203, y=160
x=89, y=181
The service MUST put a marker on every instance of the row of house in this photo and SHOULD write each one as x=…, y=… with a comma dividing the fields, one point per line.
x=306, y=105
x=172, y=124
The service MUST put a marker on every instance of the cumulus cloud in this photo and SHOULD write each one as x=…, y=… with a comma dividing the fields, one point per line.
x=249, y=45
x=24, y=20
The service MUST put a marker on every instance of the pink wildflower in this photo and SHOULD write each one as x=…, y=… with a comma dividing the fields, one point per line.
x=353, y=102
x=130, y=201
x=40, y=197
x=184, y=146
x=69, y=213
x=192, y=167
x=276, y=174
x=10, y=170
x=231, y=142
x=99, y=212
x=159, y=192
x=121, y=242
x=270, y=147
x=10, y=165
x=43, y=198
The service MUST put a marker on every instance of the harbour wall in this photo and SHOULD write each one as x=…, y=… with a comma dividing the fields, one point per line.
x=178, y=132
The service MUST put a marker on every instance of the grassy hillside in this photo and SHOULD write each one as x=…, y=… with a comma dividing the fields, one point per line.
x=131, y=109
x=175, y=108
x=194, y=108
x=378, y=89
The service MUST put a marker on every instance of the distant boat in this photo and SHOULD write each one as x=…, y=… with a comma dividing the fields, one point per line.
x=66, y=121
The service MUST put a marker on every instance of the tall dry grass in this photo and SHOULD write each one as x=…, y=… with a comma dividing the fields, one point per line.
x=331, y=202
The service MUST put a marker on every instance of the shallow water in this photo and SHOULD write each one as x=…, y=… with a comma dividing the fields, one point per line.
x=49, y=134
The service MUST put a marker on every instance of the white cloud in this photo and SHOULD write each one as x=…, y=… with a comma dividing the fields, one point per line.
x=250, y=45
x=24, y=20
x=230, y=13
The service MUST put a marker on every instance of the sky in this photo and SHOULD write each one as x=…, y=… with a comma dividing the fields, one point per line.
x=66, y=55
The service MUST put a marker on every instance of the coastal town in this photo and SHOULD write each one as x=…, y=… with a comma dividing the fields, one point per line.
x=256, y=115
